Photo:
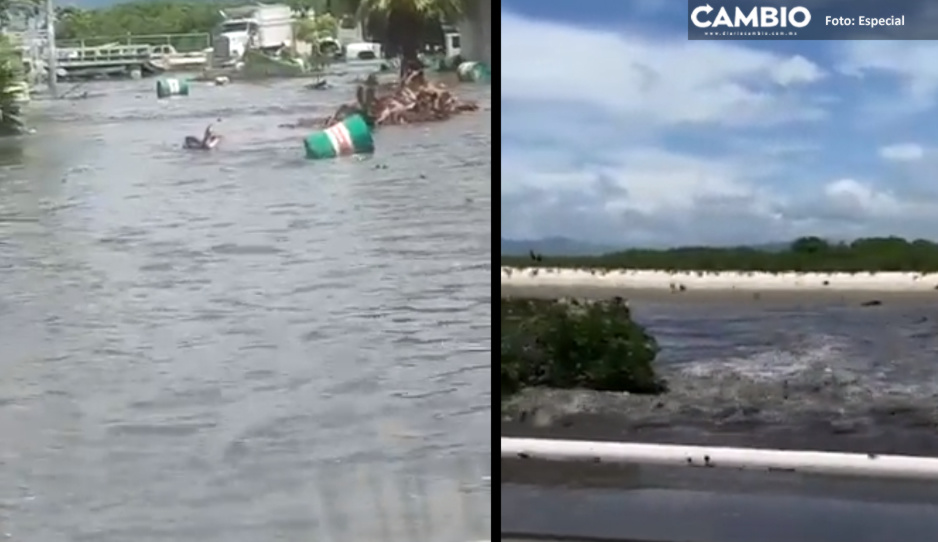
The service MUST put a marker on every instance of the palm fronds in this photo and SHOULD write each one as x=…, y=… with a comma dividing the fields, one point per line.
x=441, y=9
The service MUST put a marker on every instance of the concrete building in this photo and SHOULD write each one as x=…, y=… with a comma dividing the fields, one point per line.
x=475, y=31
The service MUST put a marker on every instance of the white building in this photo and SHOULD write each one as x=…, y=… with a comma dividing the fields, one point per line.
x=475, y=31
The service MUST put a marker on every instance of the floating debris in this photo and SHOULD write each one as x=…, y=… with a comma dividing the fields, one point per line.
x=412, y=100
x=351, y=136
x=166, y=88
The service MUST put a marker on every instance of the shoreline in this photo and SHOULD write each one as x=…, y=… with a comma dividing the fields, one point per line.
x=745, y=283
x=769, y=298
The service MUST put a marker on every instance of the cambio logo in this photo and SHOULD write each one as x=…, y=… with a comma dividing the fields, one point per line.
x=758, y=17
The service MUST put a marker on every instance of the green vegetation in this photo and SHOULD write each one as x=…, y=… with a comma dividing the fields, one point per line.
x=573, y=344
x=145, y=17
x=408, y=22
x=315, y=29
x=11, y=89
x=152, y=18
x=403, y=26
x=805, y=254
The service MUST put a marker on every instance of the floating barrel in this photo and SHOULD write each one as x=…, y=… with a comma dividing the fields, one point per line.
x=476, y=72
x=171, y=87
x=351, y=136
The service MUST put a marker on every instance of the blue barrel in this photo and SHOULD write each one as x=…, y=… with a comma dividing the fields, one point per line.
x=351, y=136
x=171, y=87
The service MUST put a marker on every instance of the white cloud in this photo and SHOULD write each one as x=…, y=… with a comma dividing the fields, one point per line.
x=796, y=69
x=657, y=80
x=913, y=65
x=643, y=179
x=588, y=127
x=902, y=152
x=912, y=61
x=643, y=195
x=861, y=199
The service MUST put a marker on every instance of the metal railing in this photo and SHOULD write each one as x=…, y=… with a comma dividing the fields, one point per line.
x=867, y=475
x=104, y=54
x=182, y=43
x=828, y=463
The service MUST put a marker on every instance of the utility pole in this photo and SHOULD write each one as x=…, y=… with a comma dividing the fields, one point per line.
x=52, y=64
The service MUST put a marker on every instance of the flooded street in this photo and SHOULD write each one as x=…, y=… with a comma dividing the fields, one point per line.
x=243, y=345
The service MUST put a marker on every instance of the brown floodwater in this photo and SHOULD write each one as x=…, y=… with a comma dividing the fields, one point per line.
x=243, y=345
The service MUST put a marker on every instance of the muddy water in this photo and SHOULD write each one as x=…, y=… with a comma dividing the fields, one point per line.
x=242, y=345
x=796, y=372
x=790, y=372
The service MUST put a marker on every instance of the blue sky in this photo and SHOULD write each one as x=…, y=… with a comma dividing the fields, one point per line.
x=617, y=129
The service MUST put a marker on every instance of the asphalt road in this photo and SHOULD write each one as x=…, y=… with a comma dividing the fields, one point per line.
x=641, y=504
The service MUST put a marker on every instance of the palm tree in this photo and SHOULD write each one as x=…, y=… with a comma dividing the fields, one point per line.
x=405, y=20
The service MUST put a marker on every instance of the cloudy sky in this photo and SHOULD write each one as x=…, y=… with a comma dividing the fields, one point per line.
x=617, y=129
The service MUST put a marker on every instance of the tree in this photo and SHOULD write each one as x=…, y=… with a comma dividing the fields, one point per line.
x=322, y=7
x=315, y=29
x=9, y=7
x=141, y=18
x=302, y=7
x=805, y=254
x=406, y=19
x=809, y=245
x=11, y=77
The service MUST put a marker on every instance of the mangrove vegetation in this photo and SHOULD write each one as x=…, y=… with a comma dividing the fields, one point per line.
x=803, y=255
x=567, y=344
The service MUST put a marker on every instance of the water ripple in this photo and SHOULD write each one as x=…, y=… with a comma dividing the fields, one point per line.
x=223, y=346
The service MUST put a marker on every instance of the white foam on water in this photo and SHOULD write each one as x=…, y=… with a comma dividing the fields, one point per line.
x=822, y=353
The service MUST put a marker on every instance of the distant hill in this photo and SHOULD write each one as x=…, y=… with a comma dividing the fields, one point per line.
x=554, y=246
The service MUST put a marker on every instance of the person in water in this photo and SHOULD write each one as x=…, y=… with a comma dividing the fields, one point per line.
x=366, y=99
x=208, y=142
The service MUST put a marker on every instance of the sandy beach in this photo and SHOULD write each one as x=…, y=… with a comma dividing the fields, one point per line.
x=710, y=284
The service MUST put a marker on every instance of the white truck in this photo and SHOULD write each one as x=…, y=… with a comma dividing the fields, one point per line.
x=451, y=44
x=263, y=26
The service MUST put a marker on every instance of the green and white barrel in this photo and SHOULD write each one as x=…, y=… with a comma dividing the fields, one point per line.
x=171, y=87
x=475, y=72
x=351, y=136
